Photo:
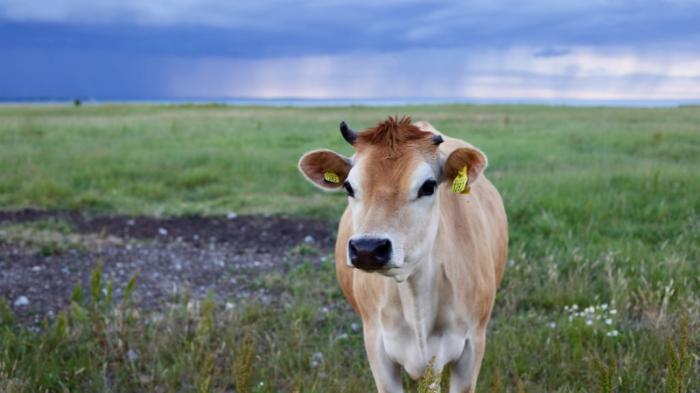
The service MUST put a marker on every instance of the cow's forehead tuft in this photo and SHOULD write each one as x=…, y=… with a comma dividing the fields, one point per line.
x=394, y=136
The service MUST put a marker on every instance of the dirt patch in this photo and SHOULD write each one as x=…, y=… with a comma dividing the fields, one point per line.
x=222, y=255
x=258, y=233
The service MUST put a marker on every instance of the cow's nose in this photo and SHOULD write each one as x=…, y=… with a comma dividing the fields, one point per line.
x=369, y=253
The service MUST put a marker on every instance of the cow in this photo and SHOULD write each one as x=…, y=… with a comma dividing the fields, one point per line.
x=418, y=255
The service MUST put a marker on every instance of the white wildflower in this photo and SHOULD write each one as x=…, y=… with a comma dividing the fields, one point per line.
x=316, y=359
x=132, y=355
x=342, y=336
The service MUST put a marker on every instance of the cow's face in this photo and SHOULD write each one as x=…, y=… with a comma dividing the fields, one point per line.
x=392, y=183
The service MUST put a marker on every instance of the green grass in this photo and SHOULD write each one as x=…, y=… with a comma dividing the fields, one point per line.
x=603, y=208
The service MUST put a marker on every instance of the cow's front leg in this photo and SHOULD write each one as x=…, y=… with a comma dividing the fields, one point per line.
x=387, y=374
x=465, y=370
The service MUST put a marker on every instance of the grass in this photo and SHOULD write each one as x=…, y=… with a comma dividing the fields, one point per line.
x=604, y=213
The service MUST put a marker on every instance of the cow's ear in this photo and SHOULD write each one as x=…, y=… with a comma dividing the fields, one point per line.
x=471, y=157
x=325, y=168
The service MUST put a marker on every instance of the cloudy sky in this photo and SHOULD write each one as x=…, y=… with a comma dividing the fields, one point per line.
x=120, y=49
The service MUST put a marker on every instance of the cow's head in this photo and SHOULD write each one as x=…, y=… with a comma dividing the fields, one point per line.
x=392, y=182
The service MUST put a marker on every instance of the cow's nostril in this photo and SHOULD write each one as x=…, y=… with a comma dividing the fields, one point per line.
x=369, y=253
x=353, y=249
x=383, y=250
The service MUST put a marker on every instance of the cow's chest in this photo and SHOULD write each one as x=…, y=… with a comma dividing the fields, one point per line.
x=406, y=344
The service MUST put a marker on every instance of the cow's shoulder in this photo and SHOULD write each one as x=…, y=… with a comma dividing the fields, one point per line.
x=472, y=243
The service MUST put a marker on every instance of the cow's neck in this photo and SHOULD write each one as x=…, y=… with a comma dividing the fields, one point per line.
x=419, y=302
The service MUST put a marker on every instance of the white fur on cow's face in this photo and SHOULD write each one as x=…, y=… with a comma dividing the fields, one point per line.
x=398, y=214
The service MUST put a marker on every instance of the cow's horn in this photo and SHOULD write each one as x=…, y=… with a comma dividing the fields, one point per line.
x=348, y=133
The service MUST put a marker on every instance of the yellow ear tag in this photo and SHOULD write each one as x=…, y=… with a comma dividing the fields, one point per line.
x=459, y=184
x=331, y=177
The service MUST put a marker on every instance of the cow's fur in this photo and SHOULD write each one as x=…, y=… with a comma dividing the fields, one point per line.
x=436, y=300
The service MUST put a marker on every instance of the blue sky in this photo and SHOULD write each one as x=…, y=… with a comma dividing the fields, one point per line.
x=361, y=49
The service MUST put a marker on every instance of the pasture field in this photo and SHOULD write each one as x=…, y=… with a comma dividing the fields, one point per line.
x=601, y=291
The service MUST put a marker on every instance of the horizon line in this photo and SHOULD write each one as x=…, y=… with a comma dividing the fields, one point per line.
x=339, y=102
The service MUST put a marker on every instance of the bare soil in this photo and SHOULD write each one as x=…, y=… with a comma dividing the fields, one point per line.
x=222, y=255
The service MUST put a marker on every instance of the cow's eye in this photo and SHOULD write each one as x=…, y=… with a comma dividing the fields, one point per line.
x=348, y=189
x=428, y=188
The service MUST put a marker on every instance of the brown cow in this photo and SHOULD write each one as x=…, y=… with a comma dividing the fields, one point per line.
x=419, y=262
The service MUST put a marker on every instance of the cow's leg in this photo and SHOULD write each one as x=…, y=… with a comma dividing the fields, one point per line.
x=465, y=370
x=387, y=374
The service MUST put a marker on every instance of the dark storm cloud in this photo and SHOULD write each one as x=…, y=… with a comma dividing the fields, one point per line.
x=130, y=48
x=551, y=52
x=266, y=29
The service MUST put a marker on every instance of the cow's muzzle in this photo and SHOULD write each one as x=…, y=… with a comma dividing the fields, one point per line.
x=369, y=253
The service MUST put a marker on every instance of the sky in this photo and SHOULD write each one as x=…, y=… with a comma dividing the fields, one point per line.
x=540, y=49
